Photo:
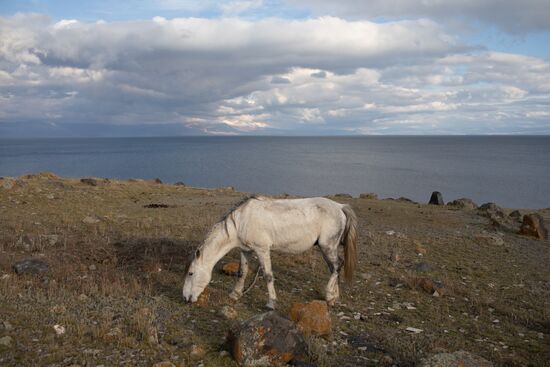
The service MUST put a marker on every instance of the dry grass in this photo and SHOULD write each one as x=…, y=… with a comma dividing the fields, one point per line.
x=115, y=284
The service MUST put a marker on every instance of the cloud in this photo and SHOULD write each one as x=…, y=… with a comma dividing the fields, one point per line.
x=509, y=15
x=229, y=75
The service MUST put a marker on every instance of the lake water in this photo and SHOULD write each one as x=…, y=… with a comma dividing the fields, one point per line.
x=511, y=171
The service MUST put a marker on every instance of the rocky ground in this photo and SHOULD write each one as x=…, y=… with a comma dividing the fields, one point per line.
x=431, y=279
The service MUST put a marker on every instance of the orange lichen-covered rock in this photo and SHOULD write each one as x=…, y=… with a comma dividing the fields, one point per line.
x=267, y=339
x=312, y=317
x=231, y=268
x=533, y=225
x=203, y=298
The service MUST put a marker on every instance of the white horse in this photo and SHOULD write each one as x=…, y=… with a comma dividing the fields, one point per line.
x=262, y=224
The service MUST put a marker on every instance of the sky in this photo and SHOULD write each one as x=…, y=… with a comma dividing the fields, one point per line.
x=274, y=67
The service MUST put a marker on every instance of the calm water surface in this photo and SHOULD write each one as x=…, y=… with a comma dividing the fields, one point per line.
x=511, y=171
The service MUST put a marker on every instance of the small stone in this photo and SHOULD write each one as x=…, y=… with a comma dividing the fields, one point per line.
x=7, y=326
x=423, y=267
x=59, y=329
x=179, y=183
x=419, y=249
x=203, y=298
x=50, y=196
x=516, y=214
x=30, y=266
x=82, y=297
x=6, y=341
x=164, y=364
x=394, y=256
x=158, y=180
x=414, y=330
x=460, y=358
x=436, y=198
x=50, y=239
x=90, y=220
x=229, y=312
x=368, y=195
x=231, y=268
x=197, y=351
x=92, y=267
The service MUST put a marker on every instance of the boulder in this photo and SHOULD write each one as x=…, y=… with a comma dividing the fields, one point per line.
x=89, y=181
x=436, y=198
x=179, y=183
x=312, y=317
x=158, y=181
x=368, y=195
x=456, y=359
x=266, y=339
x=30, y=266
x=343, y=195
x=516, y=214
x=533, y=225
x=491, y=210
x=231, y=268
x=463, y=203
x=405, y=200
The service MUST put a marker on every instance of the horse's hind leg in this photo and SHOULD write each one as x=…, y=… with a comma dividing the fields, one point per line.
x=330, y=254
x=265, y=261
x=243, y=272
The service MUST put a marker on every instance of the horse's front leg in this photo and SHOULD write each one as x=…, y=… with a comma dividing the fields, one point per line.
x=243, y=272
x=265, y=261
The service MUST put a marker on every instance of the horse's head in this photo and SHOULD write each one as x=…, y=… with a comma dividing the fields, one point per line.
x=197, y=278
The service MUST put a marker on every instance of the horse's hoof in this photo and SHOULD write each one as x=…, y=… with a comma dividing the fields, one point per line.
x=234, y=296
x=271, y=304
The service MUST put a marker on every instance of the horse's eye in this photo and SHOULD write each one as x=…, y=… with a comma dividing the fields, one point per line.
x=190, y=273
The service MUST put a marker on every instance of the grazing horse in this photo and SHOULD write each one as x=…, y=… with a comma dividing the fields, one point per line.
x=261, y=224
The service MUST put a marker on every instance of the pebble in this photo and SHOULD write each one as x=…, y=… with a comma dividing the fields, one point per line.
x=414, y=330
x=90, y=220
x=7, y=326
x=59, y=330
x=6, y=341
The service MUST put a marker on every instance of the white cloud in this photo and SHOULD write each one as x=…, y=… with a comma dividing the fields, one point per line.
x=232, y=75
x=508, y=15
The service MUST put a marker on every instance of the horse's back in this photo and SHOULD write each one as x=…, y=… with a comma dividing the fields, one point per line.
x=290, y=225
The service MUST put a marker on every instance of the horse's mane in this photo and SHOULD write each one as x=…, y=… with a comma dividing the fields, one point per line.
x=237, y=205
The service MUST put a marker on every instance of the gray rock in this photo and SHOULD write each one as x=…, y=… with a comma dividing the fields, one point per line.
x=343, y=195
x=368, y=195
x=30, y=266
x=7, y=326
x=436, y=198
x=90, y=220
x=50, y=239
x=456, y=359
x=463, y=203
x=89, y=181
x=179, y=183
x=266, y=339
x=7, y=183
x=422, y=267
x=516, y=214
x=6, y=341
x=491, y=209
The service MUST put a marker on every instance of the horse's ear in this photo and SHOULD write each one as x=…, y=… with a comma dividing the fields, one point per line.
x=197, y=253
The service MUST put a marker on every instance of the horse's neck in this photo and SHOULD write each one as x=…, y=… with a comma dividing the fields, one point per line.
x=217, y=246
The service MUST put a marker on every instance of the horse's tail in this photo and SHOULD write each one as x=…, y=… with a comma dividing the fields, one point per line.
x=349, y=241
